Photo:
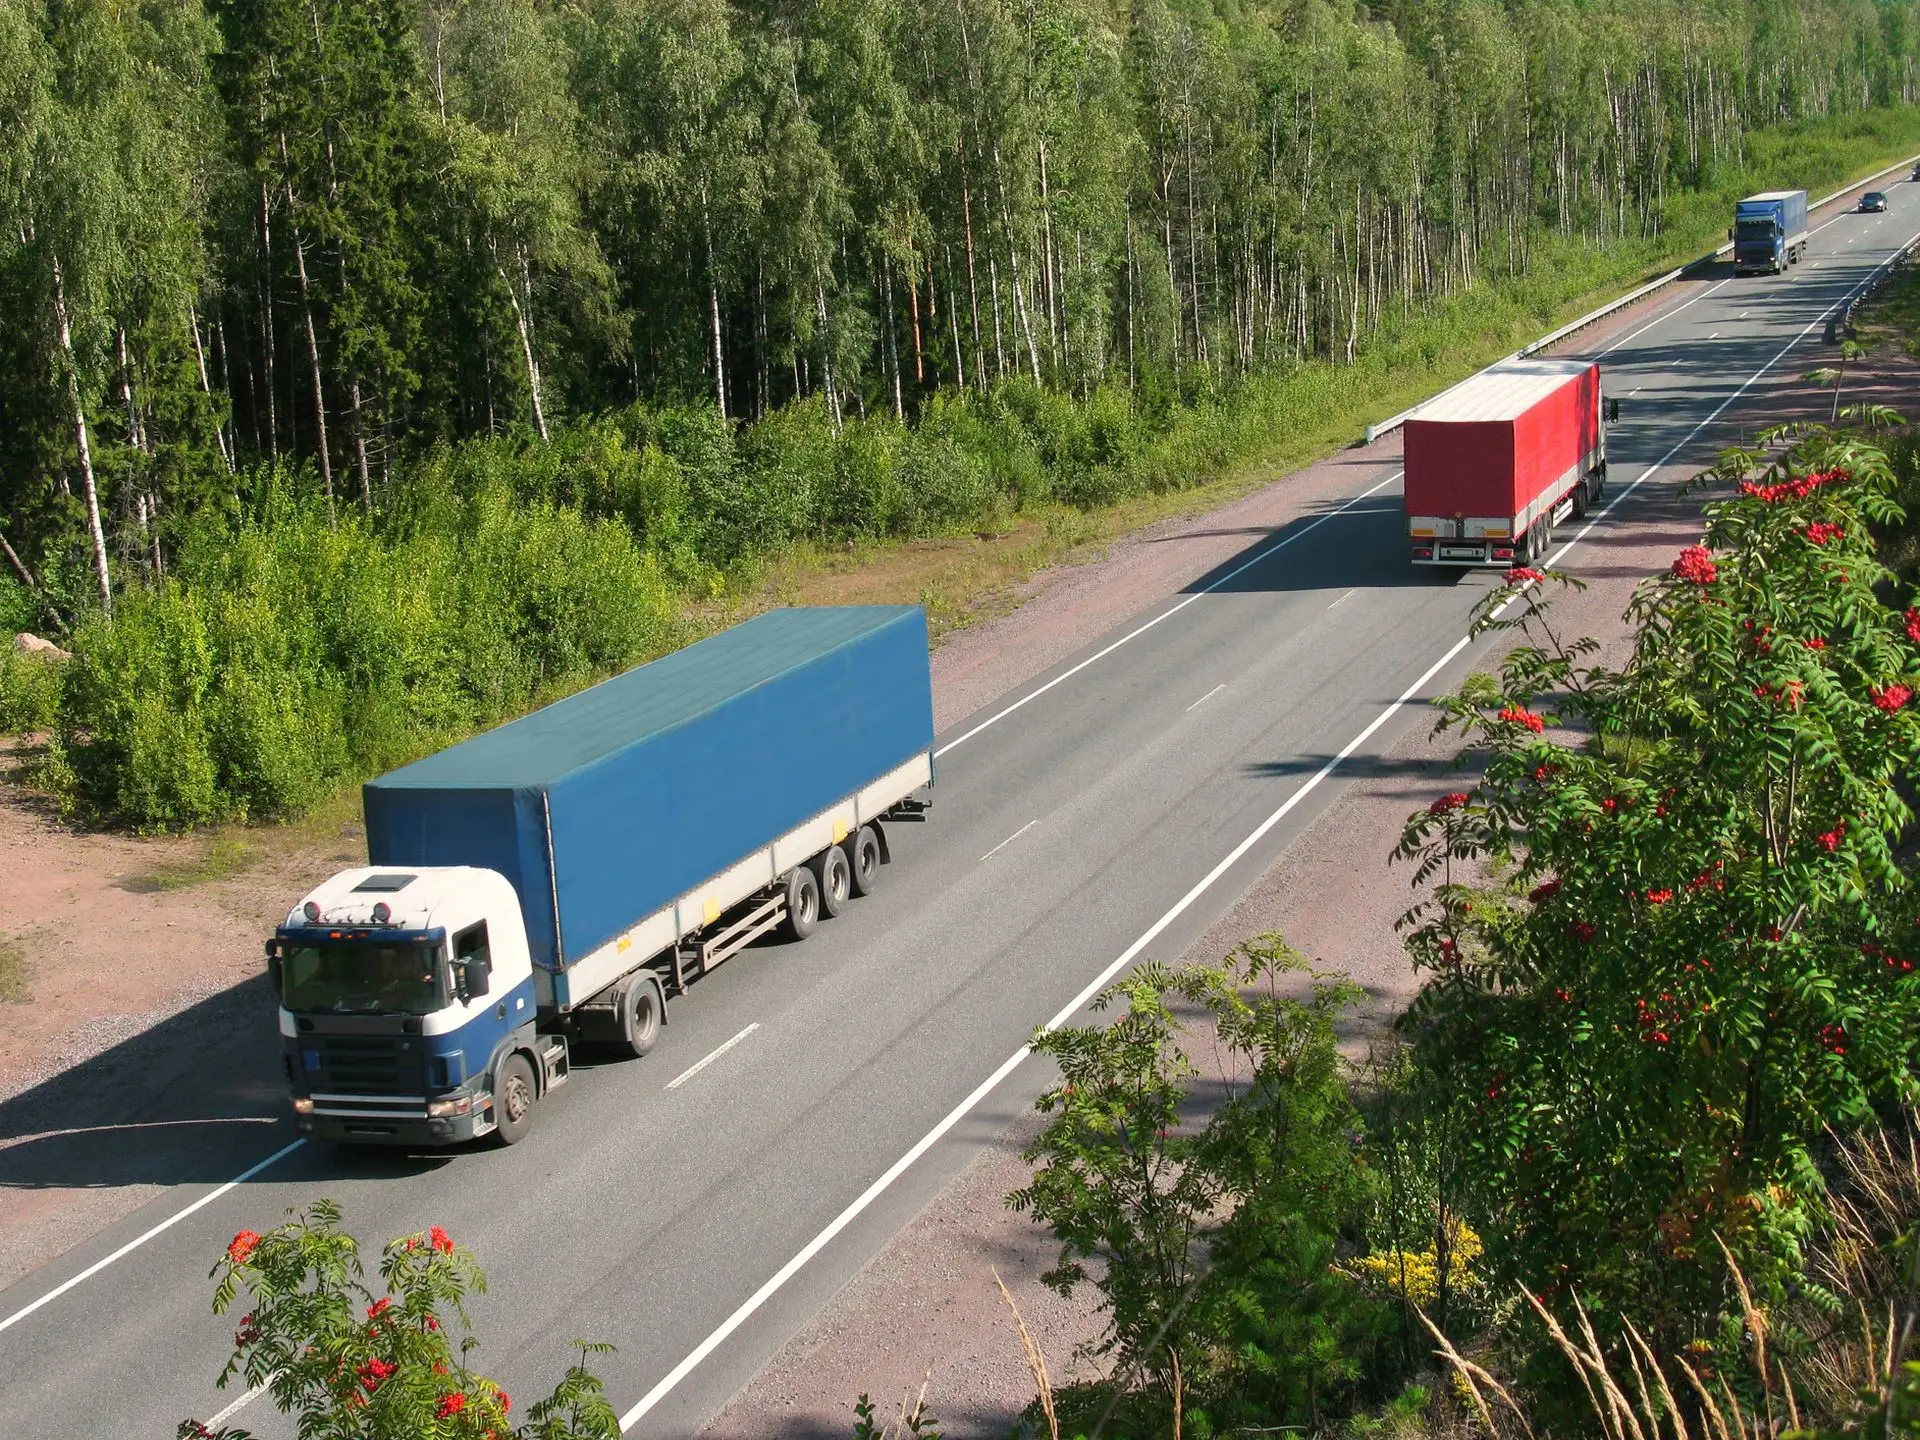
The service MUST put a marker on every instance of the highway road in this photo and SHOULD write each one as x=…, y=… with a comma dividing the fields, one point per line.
x=697, y=1207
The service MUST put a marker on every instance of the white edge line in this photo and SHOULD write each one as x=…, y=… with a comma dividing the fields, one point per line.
x=1248, y=564
x=953, y=1117
x=214, y=1422
x=980, y=1092
x=706, y=1060
x=139, y=1240
x=1010, y=839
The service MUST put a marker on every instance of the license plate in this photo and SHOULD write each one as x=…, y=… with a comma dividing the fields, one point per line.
x=1456, y=552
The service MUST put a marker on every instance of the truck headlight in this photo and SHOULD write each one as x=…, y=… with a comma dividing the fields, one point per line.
x=302, y=1105
x=458, y=1105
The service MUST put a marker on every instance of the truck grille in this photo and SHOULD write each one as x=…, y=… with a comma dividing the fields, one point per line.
x=364, y=1064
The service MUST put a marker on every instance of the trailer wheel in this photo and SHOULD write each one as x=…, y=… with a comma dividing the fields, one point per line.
x=513, y=1097
x=803, y=903
x=863, y=853
x=642, y=1006
x=835, y=878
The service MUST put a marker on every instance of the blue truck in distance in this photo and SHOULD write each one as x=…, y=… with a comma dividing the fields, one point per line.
x=556, y=879
x=1769, y=231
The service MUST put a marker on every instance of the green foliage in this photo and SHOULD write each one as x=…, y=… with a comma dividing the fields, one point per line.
x=1705, y=954
x=344, y=1361
x=284, y=655
x=1212, y=1239
x=30, y=690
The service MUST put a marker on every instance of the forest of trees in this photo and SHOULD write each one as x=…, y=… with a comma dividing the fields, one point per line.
x=336, y=232
x=371, y=370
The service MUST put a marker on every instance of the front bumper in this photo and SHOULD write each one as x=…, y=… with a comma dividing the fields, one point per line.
x=393, y=1125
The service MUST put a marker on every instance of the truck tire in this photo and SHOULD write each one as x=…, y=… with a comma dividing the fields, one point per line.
x=863, y=857
x=835, y=878
x=803, y=903
x=642, y=1006
x=513, y=1097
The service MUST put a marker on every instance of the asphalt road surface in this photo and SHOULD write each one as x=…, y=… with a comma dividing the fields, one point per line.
x=1113, y=808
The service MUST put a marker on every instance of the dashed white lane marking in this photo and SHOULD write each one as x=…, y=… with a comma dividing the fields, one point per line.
x=1170, y=611
x=1218, y=688
x=1344, y=598
x=141, y=1239
x=1665, y=316
x=706, y=1060
x=1016, y=835
x=775, y=1282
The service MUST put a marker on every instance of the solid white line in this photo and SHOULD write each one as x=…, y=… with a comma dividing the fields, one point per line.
x=1346, y=597
x=1714, y=336
x=846, y=1217
x=980, y=1092
x=214, y=1422
x=699, y=1065
x=138, y=1241
x=1016, y=835
x=1272, y=549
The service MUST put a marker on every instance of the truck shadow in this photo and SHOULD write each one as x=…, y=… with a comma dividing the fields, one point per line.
x=1328, y=548
x=195, y=1098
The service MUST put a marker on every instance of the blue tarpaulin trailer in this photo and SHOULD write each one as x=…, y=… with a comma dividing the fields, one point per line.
x=646, y=829
x=1769, y=231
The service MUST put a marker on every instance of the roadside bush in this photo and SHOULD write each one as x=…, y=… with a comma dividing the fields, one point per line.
x=1704, y=961
x=1216, y=1241
x=344, y=1361
x=29, y=690
x=279, y=659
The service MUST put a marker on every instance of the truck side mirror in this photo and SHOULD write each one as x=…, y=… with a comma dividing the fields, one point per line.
x=1613, y=409
x=273, y=966
x=478, y=972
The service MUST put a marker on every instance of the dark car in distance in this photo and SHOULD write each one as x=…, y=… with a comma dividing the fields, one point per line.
x=1873, y=202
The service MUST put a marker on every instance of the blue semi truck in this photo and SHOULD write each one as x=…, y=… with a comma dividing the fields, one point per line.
x=1769, y=231
x=558, y=878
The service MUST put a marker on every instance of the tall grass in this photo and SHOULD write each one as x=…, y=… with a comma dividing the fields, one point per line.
x=283, y=656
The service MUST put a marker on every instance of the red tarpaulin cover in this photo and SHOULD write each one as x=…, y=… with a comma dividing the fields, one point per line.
x=1494, y=443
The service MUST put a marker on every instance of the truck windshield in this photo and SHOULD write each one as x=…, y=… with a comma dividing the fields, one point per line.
x=1755, y=224
x=358, y=977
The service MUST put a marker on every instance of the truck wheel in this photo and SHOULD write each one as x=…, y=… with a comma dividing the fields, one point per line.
x=513, y=1096
x=835, y=878
x=863, y=851
x=803, y=903
x=641, y=1007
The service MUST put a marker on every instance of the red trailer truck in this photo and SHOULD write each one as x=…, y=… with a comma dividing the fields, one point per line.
x=1497, y=461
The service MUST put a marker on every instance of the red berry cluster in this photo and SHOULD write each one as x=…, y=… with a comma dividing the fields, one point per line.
x=1515, y=715
x=1892, y=698
x=1695, y=566
x=1820, y=532
x=1790, y=489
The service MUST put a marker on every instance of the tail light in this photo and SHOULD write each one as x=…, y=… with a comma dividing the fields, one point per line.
x=1423, y=552
x=1503, y=552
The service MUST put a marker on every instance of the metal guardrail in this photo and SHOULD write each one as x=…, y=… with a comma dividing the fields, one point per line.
x=1394, y=422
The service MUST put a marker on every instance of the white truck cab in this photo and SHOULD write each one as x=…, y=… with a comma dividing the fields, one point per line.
x=407, y=1006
